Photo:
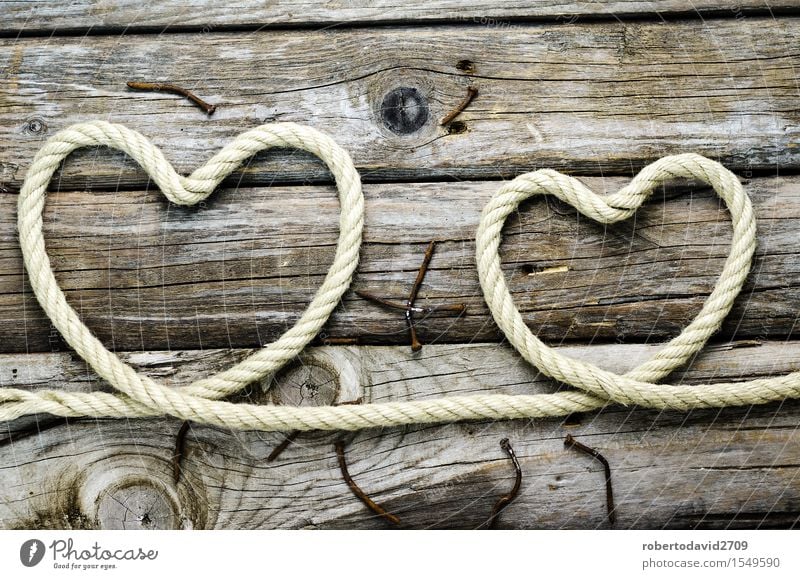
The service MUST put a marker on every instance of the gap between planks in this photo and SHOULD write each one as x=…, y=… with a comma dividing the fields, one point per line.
x=85, y=18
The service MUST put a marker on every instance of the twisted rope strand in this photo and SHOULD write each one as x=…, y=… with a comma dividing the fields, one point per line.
x=140, y=396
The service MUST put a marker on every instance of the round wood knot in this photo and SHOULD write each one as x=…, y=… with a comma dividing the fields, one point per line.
x=35, y=126
x=311, y=381
x=404, y=110
x=137, y=504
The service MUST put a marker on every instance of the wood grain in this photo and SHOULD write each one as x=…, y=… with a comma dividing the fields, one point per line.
x=731, y=468
x=599, y=98
x=238, y=271
x=93, y=15
x=587, y=88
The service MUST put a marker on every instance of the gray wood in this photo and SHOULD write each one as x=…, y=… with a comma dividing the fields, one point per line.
x=705, y=469
x=239, y=270
x=594, y=98
x=91, y=15
x=588, y=88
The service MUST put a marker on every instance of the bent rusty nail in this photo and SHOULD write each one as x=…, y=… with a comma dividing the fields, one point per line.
x=292, y=436
x=569, y=441
x=276, y=452
x=472, y=92
x=180, y=447
x=506, y=500
x=174, y=89
x=362, y=496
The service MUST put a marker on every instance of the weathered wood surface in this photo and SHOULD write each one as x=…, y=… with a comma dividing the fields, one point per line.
x=586, y=98
x=238, y=271
x=563, y=85
x=730, y=468
x=94, y=15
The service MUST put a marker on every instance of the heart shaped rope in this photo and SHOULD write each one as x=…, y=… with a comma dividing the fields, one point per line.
x=637, y=386
x=141, y=396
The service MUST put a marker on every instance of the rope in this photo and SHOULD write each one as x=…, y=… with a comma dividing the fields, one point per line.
x=140, y=396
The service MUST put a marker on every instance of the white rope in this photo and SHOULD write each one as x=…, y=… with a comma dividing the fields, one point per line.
x=141, y=396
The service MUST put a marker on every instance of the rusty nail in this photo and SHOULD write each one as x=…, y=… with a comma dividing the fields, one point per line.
x=362, y=496
x=180, y=447
x=283, y=445
x=382, y=301
x=506, y=500
x=340, y=341
x=171, y=88
x=447, y=308
x=416, y=346
x=472, y=92
x=409, y=308
x=569, y=441
x=292, y=436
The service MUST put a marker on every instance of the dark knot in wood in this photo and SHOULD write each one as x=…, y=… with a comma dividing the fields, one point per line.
x=35, y=126
x=404, y=110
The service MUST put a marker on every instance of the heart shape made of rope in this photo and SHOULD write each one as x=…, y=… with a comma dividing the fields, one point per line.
x=140, y=396
x=143, y=396
x=596, y=386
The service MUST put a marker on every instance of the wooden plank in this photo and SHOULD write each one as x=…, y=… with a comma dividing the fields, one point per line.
x=90, y=15
x=596, y=98
x=705, y=469
x=238, y=271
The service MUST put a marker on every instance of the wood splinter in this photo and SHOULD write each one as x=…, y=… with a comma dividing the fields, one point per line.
x=409, y=308
x=570, y=442
x=362, y=496
x=174, y=89
x=506, y=500
x=472, y=92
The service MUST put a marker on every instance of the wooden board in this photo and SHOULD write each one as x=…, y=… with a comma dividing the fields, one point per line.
x=705, y=469
x=94, y=16
x=596, y=98
x=147, y=275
